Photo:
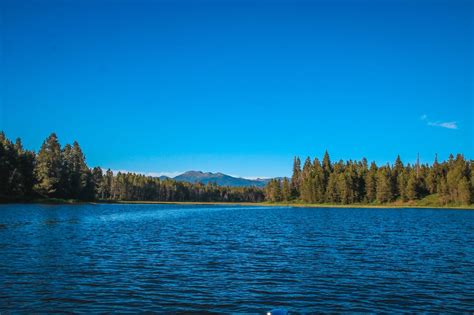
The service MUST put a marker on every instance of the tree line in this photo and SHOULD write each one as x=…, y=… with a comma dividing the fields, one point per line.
x=450, y=182
x=62, y=172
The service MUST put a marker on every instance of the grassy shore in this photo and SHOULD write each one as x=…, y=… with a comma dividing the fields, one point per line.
x=422, y=204
x=398, y=205
x=58, y=201
x=376, y=206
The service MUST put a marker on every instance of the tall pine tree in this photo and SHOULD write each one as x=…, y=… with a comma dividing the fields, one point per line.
x=296, y=178
x=48, y=168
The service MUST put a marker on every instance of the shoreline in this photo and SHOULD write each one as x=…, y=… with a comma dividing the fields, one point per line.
x=296, y=205
x=253, y=204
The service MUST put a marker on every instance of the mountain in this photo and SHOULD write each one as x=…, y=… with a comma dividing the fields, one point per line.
x=220, y=179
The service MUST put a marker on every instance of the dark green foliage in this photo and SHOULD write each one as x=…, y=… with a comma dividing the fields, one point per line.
x=48, y=170
x=384, y=185
x=402, y=181
x=396, y=172
x=452, y=182
x=66, y=185
x=296, y=178
x=371, y=183
x=317, y=182
x=63, y=173
x=472, y=181
x=332, y=194
x=286, y=190
x=327, y=168
x=434, y=177
x=457, y=187
x=306, y=189
x=79, y=173
x=106, y=186
x=137, y=187
x=412, y=188
x=16, y=170
x=273, y=191
x=97, y=181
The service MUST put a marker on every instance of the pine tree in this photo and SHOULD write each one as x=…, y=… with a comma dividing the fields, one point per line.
x=97, y=180
x=88, y=191
x=278, y=197
x=471, y=170
x=286, y=190
x=296, y=178
x=26, y=166
x=16, y=170
x=48, y=167
x=371, y=183
x=412, y=191
x=80, y=174
x=9, y=176
x=359, y=172
x=66, y=190
x=273, y=191
x=318, y=187
x=107, y=186
x=345, y=192
x=4, y=169
x=353, y=182
x=332, y=194
x=15, y=180
x=397, y=170
x=306, y=189
x=402, y=180
x=433, y=177
x=457, y=183
x=444, y=191
x=464, y=192
x=384, y=185
x=327, y=168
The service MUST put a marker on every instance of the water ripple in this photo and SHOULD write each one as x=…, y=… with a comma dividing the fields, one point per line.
x=230, y=259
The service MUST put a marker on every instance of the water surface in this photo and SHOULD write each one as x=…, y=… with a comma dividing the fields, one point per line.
x=234, y=259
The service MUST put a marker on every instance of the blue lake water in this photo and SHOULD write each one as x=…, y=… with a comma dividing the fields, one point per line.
x=234, y=259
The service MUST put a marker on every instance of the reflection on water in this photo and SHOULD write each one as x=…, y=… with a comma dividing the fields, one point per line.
x=173, y=258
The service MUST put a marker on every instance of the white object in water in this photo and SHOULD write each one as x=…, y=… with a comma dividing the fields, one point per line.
x=278, y=311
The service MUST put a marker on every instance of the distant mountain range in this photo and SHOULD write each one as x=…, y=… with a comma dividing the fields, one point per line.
x=218, y=178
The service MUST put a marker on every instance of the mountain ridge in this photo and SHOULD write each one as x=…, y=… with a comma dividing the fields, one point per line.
x=218, y=178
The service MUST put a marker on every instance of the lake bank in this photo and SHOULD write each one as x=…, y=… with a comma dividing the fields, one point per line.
x=301, y=205
x=395, y=205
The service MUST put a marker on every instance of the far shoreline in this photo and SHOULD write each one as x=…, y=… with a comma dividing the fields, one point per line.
x=253, y=204
x=295, y=205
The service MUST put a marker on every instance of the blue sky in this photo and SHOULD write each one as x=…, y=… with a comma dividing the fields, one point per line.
x=239, y=86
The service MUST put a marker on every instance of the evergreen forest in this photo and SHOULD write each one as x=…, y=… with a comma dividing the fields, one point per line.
x=61, y=172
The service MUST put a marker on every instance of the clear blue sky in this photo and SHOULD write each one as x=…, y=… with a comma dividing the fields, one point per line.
x=239, y=86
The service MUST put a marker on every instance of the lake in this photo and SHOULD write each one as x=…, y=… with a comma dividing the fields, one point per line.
x=234, y=259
